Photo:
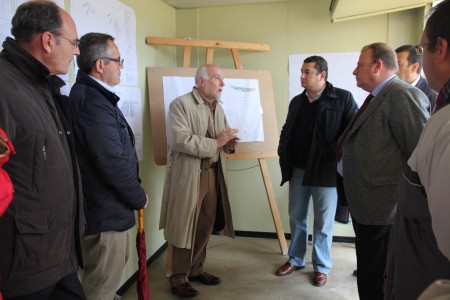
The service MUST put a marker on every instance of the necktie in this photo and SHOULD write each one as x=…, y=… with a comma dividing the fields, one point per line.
x=439, y=101
x=361, y=109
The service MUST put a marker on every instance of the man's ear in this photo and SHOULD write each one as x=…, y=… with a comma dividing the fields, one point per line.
x=415, y=67
x=442, y=47
x=48, y=41
x=378, y=65
x=99, y=66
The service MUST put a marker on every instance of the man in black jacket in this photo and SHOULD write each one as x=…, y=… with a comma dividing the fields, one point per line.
x=108, y=164
x=41, y=230
x=307, y=151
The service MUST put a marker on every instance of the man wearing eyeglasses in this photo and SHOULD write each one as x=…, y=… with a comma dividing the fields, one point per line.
x=419, y=251
x=41, y=230
x=307, y=151
x=108, y=163
x=409, y=59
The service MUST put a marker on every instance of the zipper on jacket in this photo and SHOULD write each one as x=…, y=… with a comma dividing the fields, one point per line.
x=44, y=152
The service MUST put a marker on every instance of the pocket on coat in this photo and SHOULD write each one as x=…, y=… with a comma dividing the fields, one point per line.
x=43, y=240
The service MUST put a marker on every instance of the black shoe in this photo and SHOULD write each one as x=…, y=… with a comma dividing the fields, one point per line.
x=206, y=278
x=185, y=290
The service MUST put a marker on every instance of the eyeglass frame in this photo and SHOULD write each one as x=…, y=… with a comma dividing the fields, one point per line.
x=419, y=47
x=74, y=43
x=309, y=74
x=118, y=60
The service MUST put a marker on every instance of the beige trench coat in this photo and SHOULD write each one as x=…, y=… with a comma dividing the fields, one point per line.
x=187, y=126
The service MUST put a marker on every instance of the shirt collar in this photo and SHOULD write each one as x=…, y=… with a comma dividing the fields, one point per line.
x=317, y=95
x=414, y=83
x=108, y=87
x=379, y=87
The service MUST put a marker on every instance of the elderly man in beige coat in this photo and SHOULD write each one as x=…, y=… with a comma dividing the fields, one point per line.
x=195, y=198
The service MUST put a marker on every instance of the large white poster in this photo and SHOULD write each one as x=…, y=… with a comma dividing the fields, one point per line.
x=240, y=100
x=113, y=18
x=340, y=73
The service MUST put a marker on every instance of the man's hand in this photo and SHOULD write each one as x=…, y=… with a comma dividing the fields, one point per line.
x=146, y=203
x=227, y=138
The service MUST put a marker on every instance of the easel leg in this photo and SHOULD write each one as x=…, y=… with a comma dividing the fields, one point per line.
x=273, y=205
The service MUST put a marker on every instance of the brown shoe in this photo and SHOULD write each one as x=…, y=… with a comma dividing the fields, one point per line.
x=319, y=279
x=185, y=290
x=205, y=278
x=287, y=269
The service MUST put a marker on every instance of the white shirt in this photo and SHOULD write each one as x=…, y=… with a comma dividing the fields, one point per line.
x=431, y=160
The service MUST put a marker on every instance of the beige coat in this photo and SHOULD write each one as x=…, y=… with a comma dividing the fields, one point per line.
x=187, y=127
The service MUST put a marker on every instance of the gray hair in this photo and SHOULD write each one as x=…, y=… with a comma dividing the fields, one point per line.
x=34, y=17
x=93, y=46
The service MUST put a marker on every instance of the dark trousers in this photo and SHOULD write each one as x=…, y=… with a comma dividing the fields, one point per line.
x=68, y=288
x=189, y=262
x=371, y=243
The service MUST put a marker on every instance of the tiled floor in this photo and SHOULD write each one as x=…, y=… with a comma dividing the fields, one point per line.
x=246, y=266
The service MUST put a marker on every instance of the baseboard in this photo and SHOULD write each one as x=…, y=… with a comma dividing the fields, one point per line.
x=273, y=235
x=127, y=284
x=255, y=234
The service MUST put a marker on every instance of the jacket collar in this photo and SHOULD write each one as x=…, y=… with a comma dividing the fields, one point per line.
x=25, y=62
x=84, y=78
x=328, y=93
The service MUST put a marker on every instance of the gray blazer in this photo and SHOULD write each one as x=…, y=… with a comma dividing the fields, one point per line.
x=376, y=150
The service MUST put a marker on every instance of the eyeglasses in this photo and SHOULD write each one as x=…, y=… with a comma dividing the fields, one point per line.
x=119, y=60
x=308, y=74
x=74, y=43
x=419, y=48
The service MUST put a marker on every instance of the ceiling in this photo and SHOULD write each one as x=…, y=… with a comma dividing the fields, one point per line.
x=204, y=3
x=340, y=10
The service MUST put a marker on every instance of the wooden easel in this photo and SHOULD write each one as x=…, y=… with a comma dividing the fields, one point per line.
x=261, y=156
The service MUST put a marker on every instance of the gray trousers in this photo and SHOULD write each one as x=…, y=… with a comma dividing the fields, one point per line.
x=105, y=255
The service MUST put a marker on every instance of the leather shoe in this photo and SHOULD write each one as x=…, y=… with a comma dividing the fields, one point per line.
x=355, y=273
x=185, y=290
x=287, y=269
x=206, y=278
x=319, y=279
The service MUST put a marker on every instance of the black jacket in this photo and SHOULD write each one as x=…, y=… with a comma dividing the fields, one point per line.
x=44, y=223
x=422, y=85
x=336, y=108
x=106, y=156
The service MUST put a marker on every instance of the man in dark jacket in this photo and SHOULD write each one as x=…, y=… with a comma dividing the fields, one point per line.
x=108, y=164
x=307, y=151
x=42, y=228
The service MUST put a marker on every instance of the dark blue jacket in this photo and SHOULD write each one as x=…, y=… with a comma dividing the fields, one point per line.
x=336, y=108
x=106, y=156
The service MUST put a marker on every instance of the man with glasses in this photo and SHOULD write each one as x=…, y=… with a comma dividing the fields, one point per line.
x=409, y=59
x=307, y=150
x=419, y=251
x=41, y=230
x=108, y=164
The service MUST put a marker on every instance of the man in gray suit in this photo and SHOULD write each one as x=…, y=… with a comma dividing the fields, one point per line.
x=372, y=154
x=409, y=59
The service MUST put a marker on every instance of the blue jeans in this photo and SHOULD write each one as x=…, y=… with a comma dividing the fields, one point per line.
x=324, y=204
